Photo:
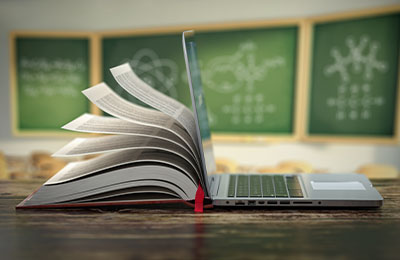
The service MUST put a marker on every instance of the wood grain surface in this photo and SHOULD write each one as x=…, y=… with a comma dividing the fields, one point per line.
x=179, y=233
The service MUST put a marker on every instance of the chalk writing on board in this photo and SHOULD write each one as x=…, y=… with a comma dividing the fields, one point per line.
x=41, y=77
x=354, y=100
x=242, y=69
x=162, y=74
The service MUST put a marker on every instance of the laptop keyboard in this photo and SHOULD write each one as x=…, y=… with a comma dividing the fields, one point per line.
x=262, y=186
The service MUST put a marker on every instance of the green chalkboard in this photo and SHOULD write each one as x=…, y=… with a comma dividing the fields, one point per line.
x=156, y=59
x=354, y=77
x=50, y=73
x=249, y=79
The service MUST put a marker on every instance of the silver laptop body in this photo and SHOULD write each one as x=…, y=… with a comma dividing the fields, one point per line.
x=268, y=190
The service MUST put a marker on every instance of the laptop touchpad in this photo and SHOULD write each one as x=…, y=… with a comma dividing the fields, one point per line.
x=337, y=185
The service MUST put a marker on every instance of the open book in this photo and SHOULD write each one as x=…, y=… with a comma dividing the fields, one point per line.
x=145, y=155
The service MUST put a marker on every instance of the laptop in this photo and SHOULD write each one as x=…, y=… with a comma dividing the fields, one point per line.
x=268, y=190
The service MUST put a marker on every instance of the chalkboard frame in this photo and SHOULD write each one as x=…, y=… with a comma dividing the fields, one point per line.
x=14, y=105
x=299, y=70
x=337, y=17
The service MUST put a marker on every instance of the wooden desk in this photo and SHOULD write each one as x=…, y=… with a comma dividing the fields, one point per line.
x=181, y=234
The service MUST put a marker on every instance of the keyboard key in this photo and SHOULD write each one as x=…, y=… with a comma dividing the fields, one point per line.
x=294, y=187
x=232, y=186
x=255, y=186
x=242, y=189
x=280, y=186
x=292, y=182
x=267, y=186
x=296, y=193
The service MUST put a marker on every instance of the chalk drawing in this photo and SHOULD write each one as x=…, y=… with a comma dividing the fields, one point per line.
x=161, y=74
x=248, y=109
x=241, y=69
x=354, y=100
x=359, y=56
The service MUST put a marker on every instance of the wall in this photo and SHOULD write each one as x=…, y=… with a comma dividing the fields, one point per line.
x=127, y=14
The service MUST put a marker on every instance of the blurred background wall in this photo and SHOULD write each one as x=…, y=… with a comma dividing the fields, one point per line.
x=93, y=15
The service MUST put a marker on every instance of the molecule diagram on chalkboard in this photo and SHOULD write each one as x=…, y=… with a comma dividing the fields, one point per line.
x=160, y=73
x=242, y=70
x=356, y=71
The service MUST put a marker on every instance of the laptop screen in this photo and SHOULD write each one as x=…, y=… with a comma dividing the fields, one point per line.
x=198, y=104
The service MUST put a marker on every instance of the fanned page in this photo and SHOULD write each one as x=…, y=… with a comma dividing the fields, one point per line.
x=129, y=81
x=81, y=169
x=94, y=145
x=109, y=125
x=108, y=101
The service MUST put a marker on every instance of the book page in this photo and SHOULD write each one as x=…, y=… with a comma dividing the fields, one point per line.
x=136, y=192
x=94, y=145
x=108, y=101
x=80, y=169
x=135, y=86
x=109, y=125
x=118, y=180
